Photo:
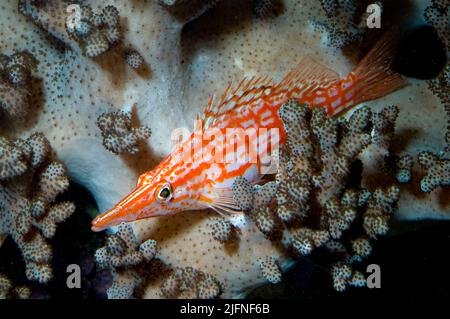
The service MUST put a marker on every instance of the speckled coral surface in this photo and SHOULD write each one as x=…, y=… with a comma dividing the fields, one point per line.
x=183, y=67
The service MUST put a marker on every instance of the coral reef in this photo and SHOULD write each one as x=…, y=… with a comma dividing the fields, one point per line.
x=133, y=265
x=118, y=134
x=9, y=291
x=343, y=276
x=267, y=8
x=339, y=22
x=438, y=15
x=184, y=283
x=270, y=269
x=96, y=32
x=437, y=171
x=30, y=181
x=309, y=175
x=17, y=67
x=134, y=59
x=404, y=165
x=439, y=86
x=127, y=259
x=49, y=15
x=11, y=163
x=223, y=230
x=191, y=55
x=15, y=73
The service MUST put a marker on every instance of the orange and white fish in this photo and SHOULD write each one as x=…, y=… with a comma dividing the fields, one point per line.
x=176, y=185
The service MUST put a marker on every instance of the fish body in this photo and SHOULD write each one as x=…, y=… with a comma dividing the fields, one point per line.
x=199, y=173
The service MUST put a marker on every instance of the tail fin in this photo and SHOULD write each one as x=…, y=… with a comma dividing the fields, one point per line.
x=374, y=76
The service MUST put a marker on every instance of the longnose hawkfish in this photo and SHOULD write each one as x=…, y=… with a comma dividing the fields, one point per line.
x=177, y=185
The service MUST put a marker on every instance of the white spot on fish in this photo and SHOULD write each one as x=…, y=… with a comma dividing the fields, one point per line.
x=336, y=103
x=265, y=115
x=248, y=123
x=268, y=121
x=319, y=100
x=256, y=108
x=346, y=84
x=332, y=92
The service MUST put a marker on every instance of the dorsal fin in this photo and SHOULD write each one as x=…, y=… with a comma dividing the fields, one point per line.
x=248, y=91
x=307, y=76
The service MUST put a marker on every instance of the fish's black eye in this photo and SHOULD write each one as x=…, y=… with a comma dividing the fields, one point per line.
x=165, y=194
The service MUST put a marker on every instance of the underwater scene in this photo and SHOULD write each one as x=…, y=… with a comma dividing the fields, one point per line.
x=224, y=149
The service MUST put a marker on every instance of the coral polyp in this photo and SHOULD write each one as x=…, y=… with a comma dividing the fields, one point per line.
x=308, y=176
x=29, y=211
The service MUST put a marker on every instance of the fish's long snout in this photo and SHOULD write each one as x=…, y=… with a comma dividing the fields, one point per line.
x=129, y=209
x=106, y=220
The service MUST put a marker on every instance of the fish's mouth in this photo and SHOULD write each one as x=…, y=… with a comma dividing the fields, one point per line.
x=115, y=217
x=118, y=215
x=127, y=210
x=104, y=221
x=97, y=229
x=111, y=218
